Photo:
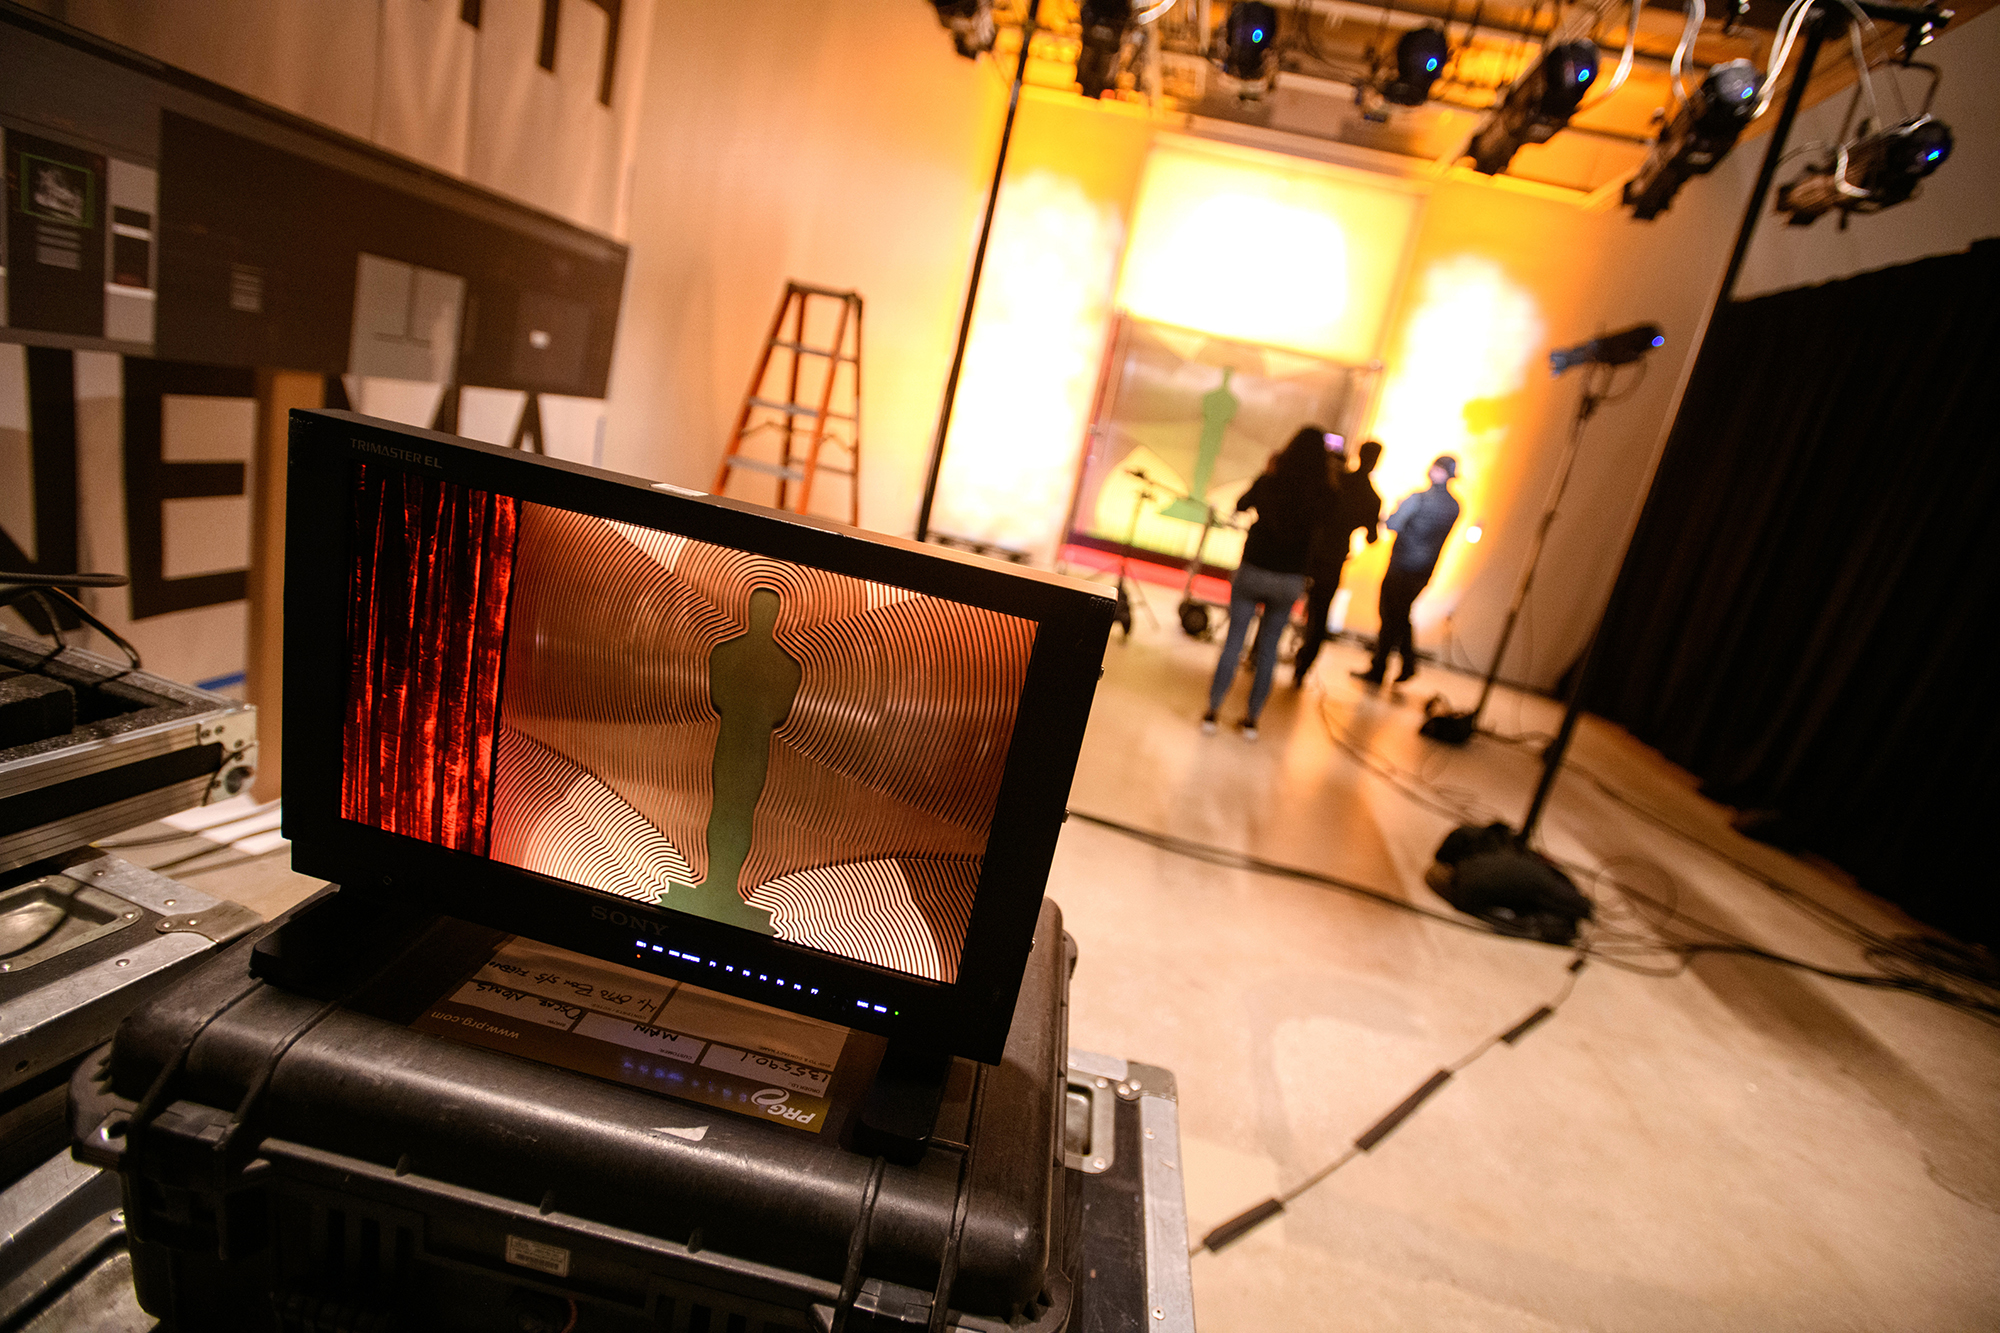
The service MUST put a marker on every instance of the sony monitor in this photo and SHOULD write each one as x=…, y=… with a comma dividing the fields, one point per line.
x=777, y=757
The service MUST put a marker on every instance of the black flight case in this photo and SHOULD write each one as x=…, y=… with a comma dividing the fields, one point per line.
x=295, y=1156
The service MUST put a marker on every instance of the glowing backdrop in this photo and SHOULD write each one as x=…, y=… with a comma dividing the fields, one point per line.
x=1454, y=379
x=1267, y=249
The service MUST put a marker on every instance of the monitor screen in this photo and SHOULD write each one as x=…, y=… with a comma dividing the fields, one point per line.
x=795, y=761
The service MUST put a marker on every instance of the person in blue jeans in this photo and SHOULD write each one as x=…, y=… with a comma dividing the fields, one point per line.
x=1293, y=499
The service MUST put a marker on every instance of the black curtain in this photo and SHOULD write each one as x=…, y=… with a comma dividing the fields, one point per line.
x=1804, y=617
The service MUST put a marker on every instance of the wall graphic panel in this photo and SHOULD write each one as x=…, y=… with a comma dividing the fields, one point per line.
x=169, y=246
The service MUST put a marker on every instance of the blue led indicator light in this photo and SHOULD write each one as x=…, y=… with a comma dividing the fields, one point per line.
x=1256, y=34
x=659, y=948
x=1431, y=64
x=881, y=1008
x=1583, y=77
x=815, y=990
x=1660, y=341
x=1931, y=156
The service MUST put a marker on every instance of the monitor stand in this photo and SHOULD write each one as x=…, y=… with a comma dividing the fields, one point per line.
x=898, y=1114
x=334, y=941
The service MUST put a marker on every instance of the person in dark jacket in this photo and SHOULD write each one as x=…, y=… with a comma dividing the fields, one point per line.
x=1293, y=499
x=1358, y=508
x=1421, y=523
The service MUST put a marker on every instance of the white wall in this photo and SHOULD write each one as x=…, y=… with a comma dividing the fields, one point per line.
x=844, y=145
x=1583, y=273
x=412, y=77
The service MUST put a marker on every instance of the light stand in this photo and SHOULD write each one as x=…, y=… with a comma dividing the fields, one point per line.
x=1508, y=869
x=1457, y=728
x=936, y=464
x=1122, y=614
x=1920, y=22
x=1607, y=351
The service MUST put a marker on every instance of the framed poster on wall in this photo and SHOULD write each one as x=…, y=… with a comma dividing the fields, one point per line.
x=1184, y=422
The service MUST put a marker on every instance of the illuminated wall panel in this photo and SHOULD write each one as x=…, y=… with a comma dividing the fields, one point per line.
x=1038, y=334
x=1267, y=249
x=1469, y=336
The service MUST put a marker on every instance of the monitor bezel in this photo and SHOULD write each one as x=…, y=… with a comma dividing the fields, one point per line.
x=968, y=1016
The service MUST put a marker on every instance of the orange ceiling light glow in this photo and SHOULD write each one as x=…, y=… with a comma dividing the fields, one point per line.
x=1266, y=249
x=1466, y=346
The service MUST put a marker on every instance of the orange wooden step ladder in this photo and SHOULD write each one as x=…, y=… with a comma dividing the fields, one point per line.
x=827, y=415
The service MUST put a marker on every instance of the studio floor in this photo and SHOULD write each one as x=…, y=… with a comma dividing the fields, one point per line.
x=1740, y=1146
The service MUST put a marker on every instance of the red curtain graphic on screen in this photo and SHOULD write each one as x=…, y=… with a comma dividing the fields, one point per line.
x=784, y=749
x=427, y=615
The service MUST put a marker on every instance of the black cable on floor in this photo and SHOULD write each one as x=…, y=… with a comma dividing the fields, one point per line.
x=1250, y=1218
x=1615, y=952
x=1916, y=954
x=1228, y=860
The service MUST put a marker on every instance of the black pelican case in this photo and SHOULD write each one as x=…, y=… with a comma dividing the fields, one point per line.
x=296, y=1158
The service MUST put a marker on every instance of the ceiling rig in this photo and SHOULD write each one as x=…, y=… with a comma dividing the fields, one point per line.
x=1623, y=99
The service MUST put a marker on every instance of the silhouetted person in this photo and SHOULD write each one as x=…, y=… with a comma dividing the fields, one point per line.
x=1292, y=499
x=1421, y=523
x=752, y=683
x=1357, y=507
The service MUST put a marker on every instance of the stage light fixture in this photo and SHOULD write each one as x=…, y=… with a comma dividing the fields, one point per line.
x=1249, y=35
x=1868, y=174
x=1700, y=136
x=970, y=23
x=1611, y=349
x=1105, y=23
x=1536, y=107
x=1420, y=57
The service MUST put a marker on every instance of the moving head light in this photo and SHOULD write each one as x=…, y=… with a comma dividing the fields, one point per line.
x=1536, y=107
x=1420, y=57
x=1613, y=349
x=1696, y=139
x=1247, y=38
x=1870, y=173
x=1104, y=25
x=970, y=23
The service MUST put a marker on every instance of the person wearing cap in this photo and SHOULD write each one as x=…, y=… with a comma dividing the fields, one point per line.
x=1421, y=523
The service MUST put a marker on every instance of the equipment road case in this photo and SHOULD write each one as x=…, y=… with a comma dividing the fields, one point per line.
x=296, y=1162
x=1122, y=1135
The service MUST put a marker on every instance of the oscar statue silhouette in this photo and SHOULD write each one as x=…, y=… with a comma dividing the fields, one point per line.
x=752, y=683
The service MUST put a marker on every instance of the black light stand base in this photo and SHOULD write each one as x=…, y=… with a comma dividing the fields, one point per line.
x=1487, y=873
x=1442, y=725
